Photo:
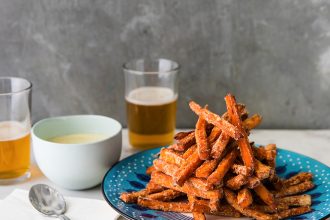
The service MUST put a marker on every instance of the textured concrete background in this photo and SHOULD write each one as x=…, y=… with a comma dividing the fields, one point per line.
x=273, y=55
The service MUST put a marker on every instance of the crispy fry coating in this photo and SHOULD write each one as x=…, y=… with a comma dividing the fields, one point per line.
x=252, y=122
x=131, y=197
x=200, y=183
x=231, y=199
x=223, y=167
x=167, y=168
x=189, y=152
x=295, y=189
x=171, y=156
x=201, y=139
x=187, y=168
x=244, y=198
x=293, y=212
x=216, y=120
x=166, y=195
x=236, y=182
x=206, y=168
x=240, y=169
x=299, y=200
x=262, y=171
x=215, y=133
x=183, y=134
x=253, y=182
x=268, y=209
x=164, y=206
x=220, y=145
x=299, y=178
x=186, y=142
x=167, y=181
x=243, y=143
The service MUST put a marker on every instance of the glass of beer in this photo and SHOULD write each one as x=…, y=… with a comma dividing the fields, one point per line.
x=15, y=124
x=151, y=92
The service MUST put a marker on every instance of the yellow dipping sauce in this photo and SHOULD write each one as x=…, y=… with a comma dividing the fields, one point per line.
x=78, y=138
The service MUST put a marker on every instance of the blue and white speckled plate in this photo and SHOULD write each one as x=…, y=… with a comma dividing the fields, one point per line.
x=129, y=175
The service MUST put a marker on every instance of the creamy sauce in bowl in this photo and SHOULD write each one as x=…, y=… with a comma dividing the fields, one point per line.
x=81, y=138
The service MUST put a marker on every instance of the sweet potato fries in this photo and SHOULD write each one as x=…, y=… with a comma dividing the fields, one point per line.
x=216, y=170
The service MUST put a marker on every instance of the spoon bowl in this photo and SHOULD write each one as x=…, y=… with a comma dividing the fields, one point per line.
x=48, y=201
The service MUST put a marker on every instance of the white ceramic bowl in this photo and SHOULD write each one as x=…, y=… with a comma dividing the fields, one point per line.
x=76, y=166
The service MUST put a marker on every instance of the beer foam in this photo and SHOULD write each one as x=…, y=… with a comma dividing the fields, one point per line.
x=12, y=130
x=151, y=96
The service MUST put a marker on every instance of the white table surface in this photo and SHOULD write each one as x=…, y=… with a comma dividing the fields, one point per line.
x=313, y=143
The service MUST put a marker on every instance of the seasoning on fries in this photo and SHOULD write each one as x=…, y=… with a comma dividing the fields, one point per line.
x=216, y=170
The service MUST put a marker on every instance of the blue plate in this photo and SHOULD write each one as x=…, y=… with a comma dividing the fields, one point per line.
x=129, y=175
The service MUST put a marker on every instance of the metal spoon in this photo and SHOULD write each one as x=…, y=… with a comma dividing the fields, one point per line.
x=48, y=201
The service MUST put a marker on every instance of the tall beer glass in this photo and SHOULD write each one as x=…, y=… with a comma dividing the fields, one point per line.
x=15, y=123
x=151, y=92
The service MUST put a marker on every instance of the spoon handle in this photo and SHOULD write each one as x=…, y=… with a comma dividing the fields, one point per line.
x=63, y=217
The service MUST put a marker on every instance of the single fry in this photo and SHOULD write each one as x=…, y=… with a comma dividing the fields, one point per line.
x=268, y=209
x=223, y=167
x=299, y=178
x=244, y=198
x=220, y=145
x=201, y=139
x=236, y=182
x=266, y=196
x=299, y=200
x=163, y=206
x=231, y=199
x=262, y=171
x=252, y=122
x=166, y=195
x=295, y=189
x=180, y=135
x=293, y=212
x=206, y=168
x=167, y=168
x=187, y=169
x=216, y=120
x=171, y=156
x=243, y=143
x=131, y=197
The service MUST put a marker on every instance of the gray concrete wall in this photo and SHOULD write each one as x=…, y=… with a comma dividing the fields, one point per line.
x=273, y=55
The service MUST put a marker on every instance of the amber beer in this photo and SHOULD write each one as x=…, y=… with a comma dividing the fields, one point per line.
x=14, y=150
x=151, y=113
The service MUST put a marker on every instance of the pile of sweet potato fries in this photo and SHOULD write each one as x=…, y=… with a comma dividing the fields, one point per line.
x=216, y=170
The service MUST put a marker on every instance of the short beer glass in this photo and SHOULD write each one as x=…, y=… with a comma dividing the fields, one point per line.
x=15, y=124
x=151, y=92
